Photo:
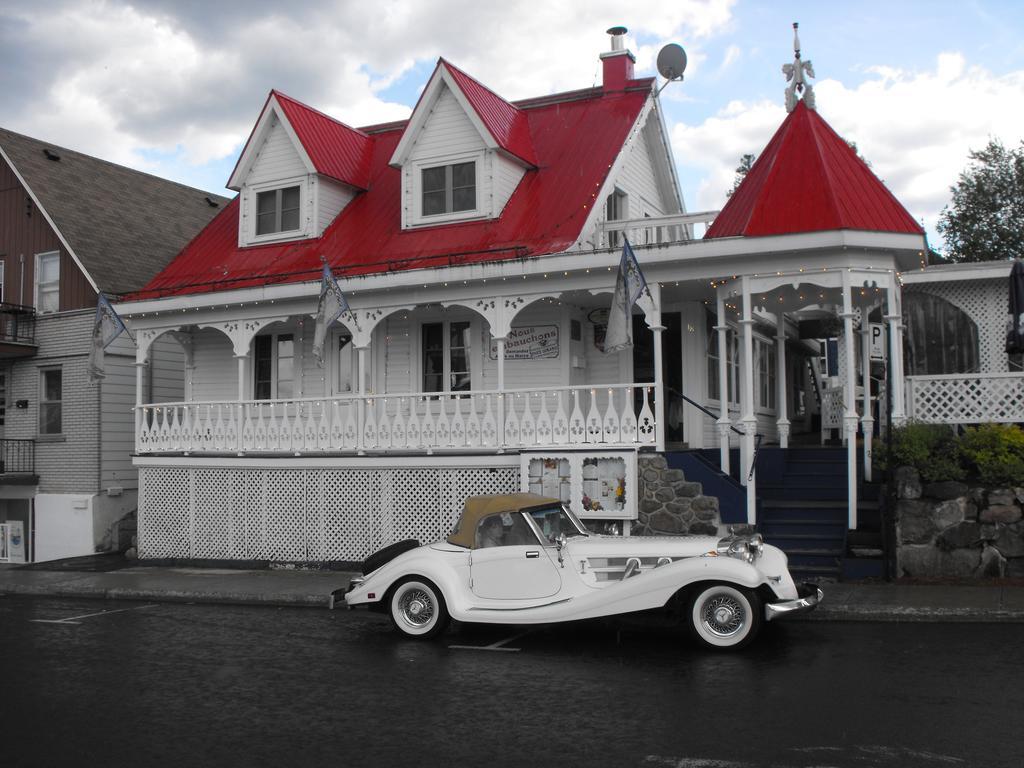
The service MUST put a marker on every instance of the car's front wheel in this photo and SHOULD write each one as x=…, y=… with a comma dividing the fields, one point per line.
x=725, y=616
x=417, y=609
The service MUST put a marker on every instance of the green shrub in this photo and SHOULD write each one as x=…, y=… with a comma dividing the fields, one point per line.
x=932, y=449
x=995, y=452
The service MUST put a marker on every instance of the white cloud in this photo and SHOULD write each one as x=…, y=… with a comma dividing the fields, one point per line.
x=915, y=128
x=130, y=82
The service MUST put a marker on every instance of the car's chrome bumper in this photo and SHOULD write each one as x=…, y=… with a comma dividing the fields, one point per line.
x=809, y=597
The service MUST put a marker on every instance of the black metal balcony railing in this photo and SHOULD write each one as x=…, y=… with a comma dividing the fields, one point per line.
x=17, y=457
x=17, y=323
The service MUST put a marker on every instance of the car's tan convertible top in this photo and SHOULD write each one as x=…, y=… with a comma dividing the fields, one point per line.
x=479, y=507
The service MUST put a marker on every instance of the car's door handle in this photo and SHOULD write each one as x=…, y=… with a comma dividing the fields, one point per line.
x=533, y=554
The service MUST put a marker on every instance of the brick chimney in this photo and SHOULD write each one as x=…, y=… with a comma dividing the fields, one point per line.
x=618, y=62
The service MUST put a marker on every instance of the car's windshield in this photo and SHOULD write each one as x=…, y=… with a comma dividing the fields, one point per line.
x=552, y=521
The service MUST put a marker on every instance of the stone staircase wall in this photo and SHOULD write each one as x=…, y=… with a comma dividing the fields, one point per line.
x=669, y=504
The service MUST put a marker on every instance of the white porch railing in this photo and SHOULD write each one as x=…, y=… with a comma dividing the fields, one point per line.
x=833, y=408
x=423, y=421
x=651, y=229
x=966, y=398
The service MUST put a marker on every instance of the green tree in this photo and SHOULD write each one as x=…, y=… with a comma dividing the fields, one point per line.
x=746, y=163
x=985, y=219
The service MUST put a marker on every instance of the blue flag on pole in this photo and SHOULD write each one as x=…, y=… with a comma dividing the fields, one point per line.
x=330, y=307
x=630, y=287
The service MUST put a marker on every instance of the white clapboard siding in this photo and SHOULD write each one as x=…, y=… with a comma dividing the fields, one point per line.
x=507, y=175
x=332, y=197
x=277, y=158
x=216, y=369
x=639, y=181
x=446, y=131
x=117, y=421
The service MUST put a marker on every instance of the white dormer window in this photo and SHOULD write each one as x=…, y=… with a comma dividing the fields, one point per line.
x=449, y=189
x=277, y=210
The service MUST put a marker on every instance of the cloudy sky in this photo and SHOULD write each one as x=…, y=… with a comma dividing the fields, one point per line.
x=173, y=86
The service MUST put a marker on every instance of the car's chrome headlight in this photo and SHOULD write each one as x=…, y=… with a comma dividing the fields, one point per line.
x=747, y=548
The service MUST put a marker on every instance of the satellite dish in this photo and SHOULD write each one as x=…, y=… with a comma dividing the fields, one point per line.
x=672, y=62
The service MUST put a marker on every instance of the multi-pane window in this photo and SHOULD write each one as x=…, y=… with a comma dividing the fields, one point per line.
x=50, y=401
x=616, y=208
x=445, y=361
x=47, y=282
x=274, y=367
x=732, y=367
x=766, y=374
x=277, y=210
x=449, y=188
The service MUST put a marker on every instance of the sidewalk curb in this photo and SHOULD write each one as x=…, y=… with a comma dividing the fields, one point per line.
x=168, y=596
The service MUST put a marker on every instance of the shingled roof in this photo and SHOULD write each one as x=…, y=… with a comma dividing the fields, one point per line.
x=122, y=225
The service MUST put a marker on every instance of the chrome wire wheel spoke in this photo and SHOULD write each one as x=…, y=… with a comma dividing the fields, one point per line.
x=723, y=615
x=417, y=607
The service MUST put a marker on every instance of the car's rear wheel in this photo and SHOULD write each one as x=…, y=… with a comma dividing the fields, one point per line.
x=723, y=616
x=417, y=609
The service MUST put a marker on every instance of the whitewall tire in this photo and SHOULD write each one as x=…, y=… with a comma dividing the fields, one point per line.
x=725, y=616
x=417, y=609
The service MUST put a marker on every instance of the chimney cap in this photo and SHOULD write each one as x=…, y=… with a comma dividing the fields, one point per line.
x=617, y=31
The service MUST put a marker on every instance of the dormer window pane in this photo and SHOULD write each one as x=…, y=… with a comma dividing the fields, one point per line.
x=277, y=211
x=449, y=188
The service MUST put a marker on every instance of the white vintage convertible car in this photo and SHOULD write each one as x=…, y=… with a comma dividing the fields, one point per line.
x=526, y=559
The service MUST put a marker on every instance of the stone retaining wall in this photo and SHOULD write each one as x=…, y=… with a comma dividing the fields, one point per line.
x=669, y=504
x=952, y=530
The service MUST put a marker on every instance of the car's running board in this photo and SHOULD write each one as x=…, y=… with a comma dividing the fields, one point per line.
x=525, y=607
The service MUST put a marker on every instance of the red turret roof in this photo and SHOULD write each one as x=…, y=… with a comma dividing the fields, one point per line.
x=809, y=180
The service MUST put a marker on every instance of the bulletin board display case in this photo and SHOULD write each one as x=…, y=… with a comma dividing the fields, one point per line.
x=595, y=484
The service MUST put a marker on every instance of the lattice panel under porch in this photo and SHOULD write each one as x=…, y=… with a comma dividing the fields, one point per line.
x=164, y=529
x=984, y=301
x=285, y=516
x=212, y=525
x=347, y=515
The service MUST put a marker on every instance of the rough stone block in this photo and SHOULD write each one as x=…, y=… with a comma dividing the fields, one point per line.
x=970, y=510
x=908, y=483
x=666, y=523
x=949, y=489
x=704, y=503
x=650, y=475
x=947, y=513
x=706, y=514
x=977, y=496
x=1010, y=541
x=687, y=490
x=1019, y=493
x=657, y=461
x=680, y=509
x=962, y=536
x=703, y=529
x=929, y=562
x=1003, y=513
x=1001, y=497
x=993, y=564
x=650, y=506
x=672, y=475
x=664, y=494
x=914, y=521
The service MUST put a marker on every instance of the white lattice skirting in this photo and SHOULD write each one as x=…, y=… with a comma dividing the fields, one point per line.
x=304, y=514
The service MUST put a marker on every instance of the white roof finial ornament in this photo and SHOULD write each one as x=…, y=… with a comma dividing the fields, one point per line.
x=796, y=73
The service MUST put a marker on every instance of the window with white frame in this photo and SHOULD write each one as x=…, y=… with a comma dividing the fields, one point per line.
x=766, y=374
x=344, y=364
x=445, y=351
x=277, y=210
x=448, y=189
x=616, y=208
x=274, y=366
x=732, y=362
x=51, y=396
x=47, y=282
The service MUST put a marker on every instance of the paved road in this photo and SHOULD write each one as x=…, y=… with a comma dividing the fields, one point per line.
x=186, y=685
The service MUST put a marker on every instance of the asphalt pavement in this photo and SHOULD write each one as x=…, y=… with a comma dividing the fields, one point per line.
x=110, y=577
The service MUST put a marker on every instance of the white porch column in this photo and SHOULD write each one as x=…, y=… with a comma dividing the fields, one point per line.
x=240, y=411
x=500, y=342
x=747, y=418
x=724, y=425
x=361, y=391
x=894, y=317
x=140, y=378
x=867, y=420
x=653, y=318
x=780, y=380
x=849, y=402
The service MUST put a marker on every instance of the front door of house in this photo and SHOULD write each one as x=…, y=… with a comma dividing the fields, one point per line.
x=671, y=366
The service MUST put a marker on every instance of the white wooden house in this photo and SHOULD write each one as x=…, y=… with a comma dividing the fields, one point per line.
x=477, y=244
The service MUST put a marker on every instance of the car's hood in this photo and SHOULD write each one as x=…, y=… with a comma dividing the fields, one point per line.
x=641, y=546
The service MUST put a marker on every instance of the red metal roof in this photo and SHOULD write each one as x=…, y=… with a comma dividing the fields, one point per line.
x=575, y=141
x=336, y=150
x=507, y=124
x=809, y=180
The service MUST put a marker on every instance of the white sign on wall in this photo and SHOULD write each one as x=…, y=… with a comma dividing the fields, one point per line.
x=16, y=541
x=877, y=336
x=529, y=342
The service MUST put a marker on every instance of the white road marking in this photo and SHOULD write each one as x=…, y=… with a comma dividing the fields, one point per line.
x=493, y=646
x=73, y=619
